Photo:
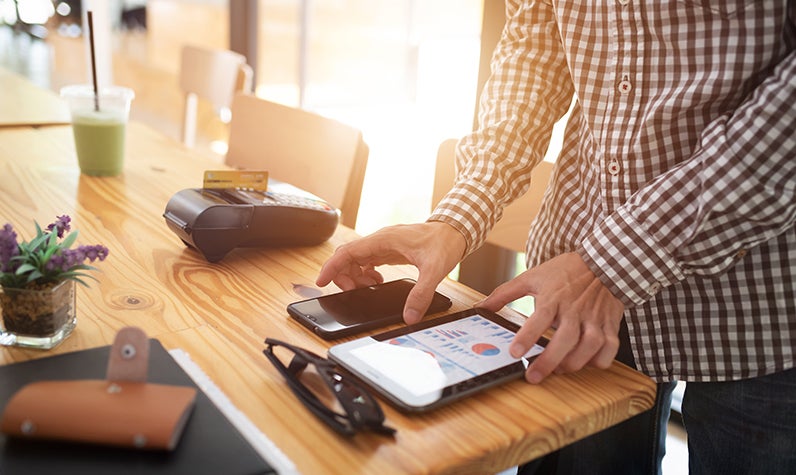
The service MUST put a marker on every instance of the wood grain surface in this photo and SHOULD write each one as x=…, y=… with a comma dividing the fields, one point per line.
x=23, y=103
x=221, y=313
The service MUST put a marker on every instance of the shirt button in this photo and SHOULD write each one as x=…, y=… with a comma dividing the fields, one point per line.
x=613, y=167
x=625, y=86
x=654, y=288
x=740, y=254
x=624, y=2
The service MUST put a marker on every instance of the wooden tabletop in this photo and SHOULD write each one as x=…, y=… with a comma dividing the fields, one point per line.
x=221, y=313
x=23, y=103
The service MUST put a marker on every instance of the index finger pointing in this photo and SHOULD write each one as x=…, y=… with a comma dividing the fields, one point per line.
x=341, y=262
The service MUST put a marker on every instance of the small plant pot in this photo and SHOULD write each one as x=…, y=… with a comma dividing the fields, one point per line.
x=38, y=317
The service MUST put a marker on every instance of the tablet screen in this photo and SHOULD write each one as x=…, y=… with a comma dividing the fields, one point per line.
x=422, y=366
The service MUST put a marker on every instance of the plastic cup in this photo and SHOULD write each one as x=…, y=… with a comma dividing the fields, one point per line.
x=99, y=134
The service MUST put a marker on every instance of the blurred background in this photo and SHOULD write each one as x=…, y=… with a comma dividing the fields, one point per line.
x=404, y=72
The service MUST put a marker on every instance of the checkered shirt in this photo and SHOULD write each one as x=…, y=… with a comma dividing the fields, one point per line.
x=677, y=178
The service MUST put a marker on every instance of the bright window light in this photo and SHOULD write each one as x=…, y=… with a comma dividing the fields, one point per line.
x=63, y=9
x=8, y=12
x=36, y=12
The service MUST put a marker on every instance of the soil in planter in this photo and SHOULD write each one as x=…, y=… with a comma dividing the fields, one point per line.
x=30, y=312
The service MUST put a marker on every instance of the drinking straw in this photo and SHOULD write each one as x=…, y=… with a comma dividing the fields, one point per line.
x=93, y=60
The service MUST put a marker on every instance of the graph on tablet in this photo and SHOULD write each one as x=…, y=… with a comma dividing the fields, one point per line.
x=449, y=353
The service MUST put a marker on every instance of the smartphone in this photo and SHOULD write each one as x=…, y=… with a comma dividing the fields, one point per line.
x=353, y=311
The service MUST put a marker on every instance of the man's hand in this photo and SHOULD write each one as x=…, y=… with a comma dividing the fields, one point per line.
x=434, y=248
x=571, y=299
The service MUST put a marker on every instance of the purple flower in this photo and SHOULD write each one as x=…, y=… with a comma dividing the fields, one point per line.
x=61, y=225
x=73, y=257
x=56, y=263
x=95, y=252
x=69, y=258
x=8, y=248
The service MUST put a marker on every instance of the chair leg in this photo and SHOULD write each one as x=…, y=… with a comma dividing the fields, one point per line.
x=189, y=120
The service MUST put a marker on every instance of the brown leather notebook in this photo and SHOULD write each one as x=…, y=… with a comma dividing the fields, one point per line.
x=210, y=444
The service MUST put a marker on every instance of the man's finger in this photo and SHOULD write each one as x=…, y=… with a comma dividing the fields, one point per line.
x=605, y=357
x=589, y=344
x=419, y=298
x=556, y=350
x=509, y=291
x=531, y=330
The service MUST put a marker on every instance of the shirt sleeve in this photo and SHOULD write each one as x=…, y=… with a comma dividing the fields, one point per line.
x=528, y=91
x=736, y=191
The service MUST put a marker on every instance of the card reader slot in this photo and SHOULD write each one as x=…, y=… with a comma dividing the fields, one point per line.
x=232, y=196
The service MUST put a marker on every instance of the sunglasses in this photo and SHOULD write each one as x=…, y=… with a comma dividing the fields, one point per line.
x=338, y=400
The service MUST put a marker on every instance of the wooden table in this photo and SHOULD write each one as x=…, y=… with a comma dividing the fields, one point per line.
x=23, y=103
x=220, y=314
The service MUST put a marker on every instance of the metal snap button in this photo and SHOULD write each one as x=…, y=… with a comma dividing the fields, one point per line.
x=128, y=351
x=27, y=427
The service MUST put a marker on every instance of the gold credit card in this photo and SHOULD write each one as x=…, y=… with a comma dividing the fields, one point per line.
x=245, y=179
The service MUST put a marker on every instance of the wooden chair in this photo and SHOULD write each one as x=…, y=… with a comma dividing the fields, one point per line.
x=213, y=75
x=320, y=155
x=509, y=234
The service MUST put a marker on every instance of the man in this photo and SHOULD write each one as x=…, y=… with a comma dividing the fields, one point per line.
x=671, y=211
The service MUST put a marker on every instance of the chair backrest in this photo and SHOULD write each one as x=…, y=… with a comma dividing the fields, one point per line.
x=214, y=75
x=320, y=155
x=511, y=232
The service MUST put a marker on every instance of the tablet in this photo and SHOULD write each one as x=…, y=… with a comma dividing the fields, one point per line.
x=423, y=366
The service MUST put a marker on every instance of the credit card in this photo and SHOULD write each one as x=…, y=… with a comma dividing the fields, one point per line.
x=243, y=179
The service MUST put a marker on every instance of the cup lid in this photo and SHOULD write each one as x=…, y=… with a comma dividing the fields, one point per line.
x=87, y=90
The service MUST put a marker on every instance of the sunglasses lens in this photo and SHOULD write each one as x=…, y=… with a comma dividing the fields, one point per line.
x=361, y=406
x=317, y=382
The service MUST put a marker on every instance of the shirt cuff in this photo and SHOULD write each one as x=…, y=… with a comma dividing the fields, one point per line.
x=627, y=259
x=452, y=212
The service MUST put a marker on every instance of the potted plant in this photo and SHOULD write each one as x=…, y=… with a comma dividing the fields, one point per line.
x=37, y=279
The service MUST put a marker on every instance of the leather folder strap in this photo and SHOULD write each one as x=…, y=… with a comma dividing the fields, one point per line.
x=128, y=414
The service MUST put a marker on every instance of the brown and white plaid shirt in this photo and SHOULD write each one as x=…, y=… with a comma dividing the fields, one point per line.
x=677, y=178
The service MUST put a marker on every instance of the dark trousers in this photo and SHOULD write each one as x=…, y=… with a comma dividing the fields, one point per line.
x=734, y=427
x=635, y=446
x=741, y=427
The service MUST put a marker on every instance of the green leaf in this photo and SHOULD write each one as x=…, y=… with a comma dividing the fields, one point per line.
x=33, y=276
x=25, y=268
x=78, y=277
x=48, y=254
x=37, y=242
x=68, y=240
x=83, y=267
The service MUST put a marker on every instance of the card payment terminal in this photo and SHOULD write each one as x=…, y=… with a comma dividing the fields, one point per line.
x=215, y=221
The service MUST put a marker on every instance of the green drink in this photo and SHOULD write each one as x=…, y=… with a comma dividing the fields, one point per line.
x=98, y=124
x=99, y=140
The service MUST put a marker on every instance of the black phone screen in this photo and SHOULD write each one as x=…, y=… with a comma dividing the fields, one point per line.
x=359, y=309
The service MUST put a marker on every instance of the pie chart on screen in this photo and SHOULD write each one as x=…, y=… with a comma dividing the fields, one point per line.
x=485, y=349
